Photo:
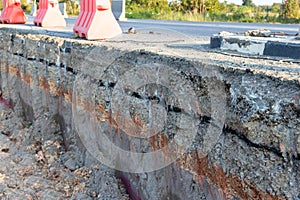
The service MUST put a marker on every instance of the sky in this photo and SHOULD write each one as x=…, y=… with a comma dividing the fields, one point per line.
x=256, y=2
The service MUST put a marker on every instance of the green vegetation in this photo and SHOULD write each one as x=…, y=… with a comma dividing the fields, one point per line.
x=25, y=6
x=73, y=7
x=213, y=10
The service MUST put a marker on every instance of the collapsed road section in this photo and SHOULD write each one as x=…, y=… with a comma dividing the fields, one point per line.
x=146, y=120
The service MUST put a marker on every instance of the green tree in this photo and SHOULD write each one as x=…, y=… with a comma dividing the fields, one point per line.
x=212, y=6
x=159, y=6
x=276, y=8
x=152, y=4
x=247, y=3
x=200, y=6
x=176, y=6
x=194, y=6
x=25, y=6
x=291, y=9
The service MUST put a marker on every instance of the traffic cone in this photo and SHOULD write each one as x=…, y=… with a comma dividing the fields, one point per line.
x=12, y=13
x=49, y=14
x=96, y=21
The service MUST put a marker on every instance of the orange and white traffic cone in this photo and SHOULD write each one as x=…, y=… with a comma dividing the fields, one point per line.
x=49, y=14
x=12, y=13
x=96, y=20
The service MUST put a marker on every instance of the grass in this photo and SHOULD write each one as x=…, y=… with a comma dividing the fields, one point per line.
x=167, y=16
x=209, y=17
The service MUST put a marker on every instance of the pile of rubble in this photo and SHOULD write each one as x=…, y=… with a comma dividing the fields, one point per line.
x=34, y=164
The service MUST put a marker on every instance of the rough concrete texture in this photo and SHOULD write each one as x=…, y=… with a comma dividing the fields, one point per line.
x=253, y=103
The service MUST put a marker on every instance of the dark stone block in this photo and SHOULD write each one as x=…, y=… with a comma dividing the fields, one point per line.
x=215, y=42
x=282, y=50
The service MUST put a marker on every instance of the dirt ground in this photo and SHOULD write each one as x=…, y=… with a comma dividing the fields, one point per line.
x=35, y=165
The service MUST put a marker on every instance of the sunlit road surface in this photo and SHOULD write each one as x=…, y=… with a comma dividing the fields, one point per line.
x=193, y=29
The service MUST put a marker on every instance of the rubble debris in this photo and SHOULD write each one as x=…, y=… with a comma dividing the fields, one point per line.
x=31, y=165
x=6, y=133
x=258, y=33
x=131, y=30
x=5, y=150
x=225, y=33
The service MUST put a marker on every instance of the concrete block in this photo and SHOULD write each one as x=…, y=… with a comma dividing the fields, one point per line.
x=215, y=42
x=265, y=46
x=282, y=49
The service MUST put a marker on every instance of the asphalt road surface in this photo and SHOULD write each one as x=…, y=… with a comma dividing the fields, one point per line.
x=207, y=28
x=194, y=29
